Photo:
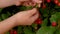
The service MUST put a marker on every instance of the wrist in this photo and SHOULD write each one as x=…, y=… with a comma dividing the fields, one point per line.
x=7, y=25
x=13, y=20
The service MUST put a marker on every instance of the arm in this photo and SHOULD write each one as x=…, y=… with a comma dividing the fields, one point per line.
x=21, y=18
x=6, y=25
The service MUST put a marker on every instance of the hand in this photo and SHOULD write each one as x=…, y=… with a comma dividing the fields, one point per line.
x=30, y=3
x=37, y=2
x=6, y=3
x=26, y=17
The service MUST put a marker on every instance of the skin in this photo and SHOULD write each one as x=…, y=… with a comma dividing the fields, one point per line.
x=21, y=18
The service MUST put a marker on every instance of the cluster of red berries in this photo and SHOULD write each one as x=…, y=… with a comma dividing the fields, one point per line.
x=54, y=24
x=13, y=32
x=57, y=2
x=39, y=21
x=48, y=1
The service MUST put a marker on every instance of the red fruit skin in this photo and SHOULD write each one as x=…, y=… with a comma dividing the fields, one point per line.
x=44, y=6
x=11, y=32
x=54, y=24
x=59, y=4
x=38, y=21
x=15, y=32
x=48, y=1
x=56, y=1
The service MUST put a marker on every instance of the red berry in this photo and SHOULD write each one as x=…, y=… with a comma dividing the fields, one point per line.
x=38, y=21
x=39, y=14
x=48, y=1
x=54, y=24
x=59, y=4
x=15, y=32
x=44, y=6
x=56, y=1
x=11, y=32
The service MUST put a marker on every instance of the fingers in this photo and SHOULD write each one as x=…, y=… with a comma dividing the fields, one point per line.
x=32, y=12
x=37, y=1
x=33, y=18
x=17, y=3
x=25, y=4
x=28, y=3
x=39, y=5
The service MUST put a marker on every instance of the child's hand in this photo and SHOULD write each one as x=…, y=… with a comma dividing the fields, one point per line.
x=25, y=17
x=6, y=3
x=37, y=2
x=30, y=3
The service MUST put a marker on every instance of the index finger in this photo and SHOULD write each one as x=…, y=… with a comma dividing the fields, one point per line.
x=37, y=1
x=32, y=12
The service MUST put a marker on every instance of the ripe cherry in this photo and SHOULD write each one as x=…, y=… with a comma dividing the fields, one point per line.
x=38, y=21
x=11, y=31
x=48, y=1
x=56, y=1
x=44, y=6
x=54, y=24
x=59, y=4
x=15, y=32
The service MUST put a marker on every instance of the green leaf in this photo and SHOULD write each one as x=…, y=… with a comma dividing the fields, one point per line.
x=22, y=8
x=44, y=12
x=53, y=18
x=58, y=15
x=7, y=33
x=46, y=30
x=19, y=29
x=57, y=6
x=58, y=31
x=28, y=31
x=45, y=21
x=34, y=25
x=42, y=30
x=29, y=7
x=0, y=18
x=0, y=10
x=4, y=16
x=52, y=30
x=8, y=14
